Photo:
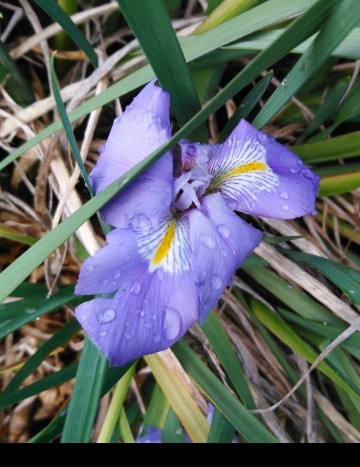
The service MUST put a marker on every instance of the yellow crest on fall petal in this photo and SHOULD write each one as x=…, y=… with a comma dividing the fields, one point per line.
x=165, y=245
x=241, y=169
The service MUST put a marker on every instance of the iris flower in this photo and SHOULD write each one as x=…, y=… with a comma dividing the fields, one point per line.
x=177, y=241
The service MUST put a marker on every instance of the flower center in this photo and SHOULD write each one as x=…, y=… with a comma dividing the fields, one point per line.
x=190, y=187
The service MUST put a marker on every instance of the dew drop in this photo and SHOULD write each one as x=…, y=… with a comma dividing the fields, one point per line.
x=105, y=281
x=299, y=162
x=152, y=189
x=284, y=195
x=216, y=282
x=106, y=316
x=30, y=311
x=89, y=268
x=293, y=171
x=84, y=318
x=142, y=314
x=172, y=325
x=224, y=231
x=160, y=274
x=285, y=207
x=270, y=139
x=262, y=138
x=135, y=288
x=125, y=180
x=207, y=241
x=352, y=292
x=140, y=222
x=117, y=274
x=102, y=333
x=147, y=325
x=223, y=253
x=285, y=82
x=153, y=317
x=156, y=337
x=127, y=336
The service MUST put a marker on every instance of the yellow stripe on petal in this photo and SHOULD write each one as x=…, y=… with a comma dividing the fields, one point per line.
x=241, y=169
x=165, y=245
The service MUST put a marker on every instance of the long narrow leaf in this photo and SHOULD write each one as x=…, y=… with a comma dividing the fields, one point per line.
x=87, y=392
x=151, y=24
x=344, y=18
x=245, y=422
x=59, y=15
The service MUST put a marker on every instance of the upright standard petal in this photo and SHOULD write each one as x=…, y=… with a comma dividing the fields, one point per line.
x=220, y=242
x=143, y=128
x=156, y=300
x=258, y=175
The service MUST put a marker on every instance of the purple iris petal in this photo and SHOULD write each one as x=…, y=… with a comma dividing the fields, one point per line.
x=151, y=309
x=152, y=435
x=143, y=128
x=220, y=242
x=258, y=175
x=104, y=272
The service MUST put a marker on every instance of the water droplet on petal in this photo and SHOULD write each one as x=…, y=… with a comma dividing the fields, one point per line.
x=102, y=333
x=172, y=325
x=216, y=282
x=224, y=231
x=105, y=281
x=156, y=337
x=89, y=268
x=117, y=274
x=293, y=171
x=127, y=336
x=135, y=288
x=30, y=311
x=153, y=317
x=106, y=316
x=152, y=189
x=160, y=274
x=285, y=207
x=84, y=318
x=223, y=253
x=140, y=222
x=142, y=314
x=147, y=325
x=270, y=139
x=352, y=291
x=207, y=241
x=299, y=162
x=285, y=82
x=284, y=195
